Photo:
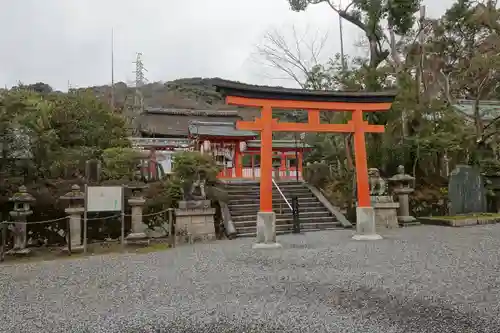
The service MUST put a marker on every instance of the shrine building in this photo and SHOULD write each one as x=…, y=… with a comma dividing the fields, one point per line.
x=164, y=131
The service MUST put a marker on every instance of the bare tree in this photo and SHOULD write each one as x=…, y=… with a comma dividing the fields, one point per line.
x=294, y=57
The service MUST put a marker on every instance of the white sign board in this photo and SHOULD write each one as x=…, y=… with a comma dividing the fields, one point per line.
x=104, y=198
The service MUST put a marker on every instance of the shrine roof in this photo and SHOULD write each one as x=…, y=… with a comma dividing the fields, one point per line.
x=175, y=122
x=218, y=129
x=192, y=112
x=238, y=89
x=488, y=110
x=277, y=144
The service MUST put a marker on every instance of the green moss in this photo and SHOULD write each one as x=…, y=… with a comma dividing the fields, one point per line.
x=466, y=216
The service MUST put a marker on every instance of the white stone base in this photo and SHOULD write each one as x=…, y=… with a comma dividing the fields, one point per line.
x=365, y=224
x=367, y=237
x=266, y=227
x=266, y=246
x=136, y=236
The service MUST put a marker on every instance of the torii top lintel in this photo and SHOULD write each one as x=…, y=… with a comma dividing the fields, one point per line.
x=289, y=98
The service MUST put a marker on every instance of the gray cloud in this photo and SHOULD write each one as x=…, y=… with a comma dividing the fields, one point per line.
x=57, y=41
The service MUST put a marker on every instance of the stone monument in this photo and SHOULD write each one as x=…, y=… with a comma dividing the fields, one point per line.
x=75, y=199
x=137, y=201
x=402, y=187
x=385, y=208
x=22, y=200
x=466, y=191
x=195, y=214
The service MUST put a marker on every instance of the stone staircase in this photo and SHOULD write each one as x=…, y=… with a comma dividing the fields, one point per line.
x=244, y=205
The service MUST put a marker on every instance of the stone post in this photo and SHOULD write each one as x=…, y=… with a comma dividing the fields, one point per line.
x=75, y=199
x=22, y=200
x=137, y=201
x=402, y=187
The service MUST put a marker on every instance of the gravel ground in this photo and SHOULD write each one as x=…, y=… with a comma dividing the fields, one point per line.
x=420, y=279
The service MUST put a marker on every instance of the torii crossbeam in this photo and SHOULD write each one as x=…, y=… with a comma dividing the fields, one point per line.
x=267, y=98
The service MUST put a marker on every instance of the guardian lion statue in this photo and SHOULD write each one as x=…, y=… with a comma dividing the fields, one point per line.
x=378, y=186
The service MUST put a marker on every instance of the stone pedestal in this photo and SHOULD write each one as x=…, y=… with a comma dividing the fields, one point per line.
x=404, y=216
x=386, y=212
x=365, y=224
x=138, y=232
x=75, y=229
x=195, y=220
x=22, y=200
x=266, y=231
x=75, y=210
x=20, y=239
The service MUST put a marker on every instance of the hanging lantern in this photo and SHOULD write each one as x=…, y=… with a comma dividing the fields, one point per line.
x=243, y=146
x=206, y=146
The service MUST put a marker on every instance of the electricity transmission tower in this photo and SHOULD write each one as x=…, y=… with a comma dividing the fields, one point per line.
x=140, y=80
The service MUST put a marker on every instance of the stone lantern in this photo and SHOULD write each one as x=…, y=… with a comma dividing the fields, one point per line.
x=402, y=187
x=137, y=201
x=22, y=209
x=75, y=199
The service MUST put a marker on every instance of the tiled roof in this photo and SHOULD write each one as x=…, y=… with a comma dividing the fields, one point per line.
x=487, y=109
x=175, y=122
x=191, y=112
x=214, y=129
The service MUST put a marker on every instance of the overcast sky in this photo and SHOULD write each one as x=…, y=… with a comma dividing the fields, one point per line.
x=56, y=41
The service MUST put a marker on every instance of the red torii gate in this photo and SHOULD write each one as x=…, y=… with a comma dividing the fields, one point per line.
x=267, y=98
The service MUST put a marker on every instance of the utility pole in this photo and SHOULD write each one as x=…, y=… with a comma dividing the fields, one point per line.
x=112, y=71
x=341, y=32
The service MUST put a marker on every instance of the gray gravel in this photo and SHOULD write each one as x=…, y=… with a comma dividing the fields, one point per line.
x=421, y=279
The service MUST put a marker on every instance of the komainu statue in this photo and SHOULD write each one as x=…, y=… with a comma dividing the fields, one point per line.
x=378, y=186
x=194, y=190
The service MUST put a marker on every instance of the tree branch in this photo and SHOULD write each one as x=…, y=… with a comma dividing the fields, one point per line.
x=291, y=58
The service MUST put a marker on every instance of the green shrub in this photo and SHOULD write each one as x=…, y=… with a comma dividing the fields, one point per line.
x=188, y=166
x=119, y=163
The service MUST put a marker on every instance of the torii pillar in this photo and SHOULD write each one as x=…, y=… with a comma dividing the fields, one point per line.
x=267, y=98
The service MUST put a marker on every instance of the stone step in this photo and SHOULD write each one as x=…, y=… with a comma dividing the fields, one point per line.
x=287, y=228
x=251, y=222
x=257, y=183
x=275, y=200
x=283, y=221
x=257, y=192
x=288, y=215
x=257, y=188
x=288, y=196
x=254, y=207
